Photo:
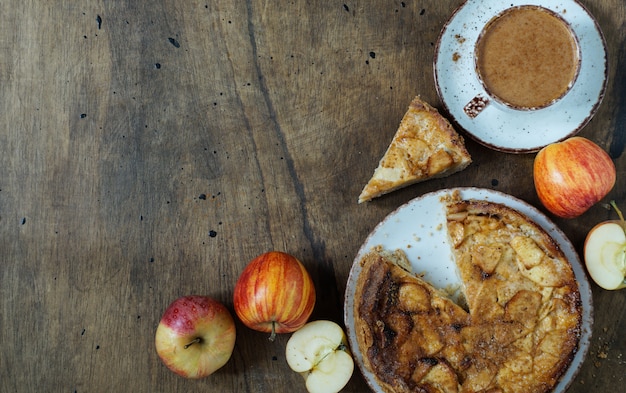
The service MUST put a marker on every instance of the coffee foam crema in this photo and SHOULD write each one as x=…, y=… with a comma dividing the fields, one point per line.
x=527, y=57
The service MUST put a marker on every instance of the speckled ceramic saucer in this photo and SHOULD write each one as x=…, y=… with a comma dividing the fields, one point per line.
x=499, y=126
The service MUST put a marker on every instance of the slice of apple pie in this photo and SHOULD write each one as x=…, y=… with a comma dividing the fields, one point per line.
x=425, y=146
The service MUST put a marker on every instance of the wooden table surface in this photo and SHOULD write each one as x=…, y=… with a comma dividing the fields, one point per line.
x=151, y=149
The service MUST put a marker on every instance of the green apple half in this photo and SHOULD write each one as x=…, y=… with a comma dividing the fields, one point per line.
x=605, y=253
x=319, y=352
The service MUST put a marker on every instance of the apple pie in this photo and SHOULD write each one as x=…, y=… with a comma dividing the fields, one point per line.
x=425, y=146
x=517, y=330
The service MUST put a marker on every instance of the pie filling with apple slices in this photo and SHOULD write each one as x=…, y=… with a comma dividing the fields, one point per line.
x=517, y=332
x=425, y=146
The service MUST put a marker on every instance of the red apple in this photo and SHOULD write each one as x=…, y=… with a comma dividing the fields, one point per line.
x=605, y=253
x=195, y=336
x=572, y=175
x=274, y=294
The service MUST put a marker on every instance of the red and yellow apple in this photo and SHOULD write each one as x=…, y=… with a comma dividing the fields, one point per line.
x=274, y=294
x=195, y=336
x=319, y=352
x=605, y=253
x=572, y=175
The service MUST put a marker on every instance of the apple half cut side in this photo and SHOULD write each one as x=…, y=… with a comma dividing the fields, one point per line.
x=319, y=352
x=605, y=255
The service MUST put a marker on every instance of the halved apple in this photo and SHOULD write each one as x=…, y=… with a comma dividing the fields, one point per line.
x=319, y=352
x=605, y=253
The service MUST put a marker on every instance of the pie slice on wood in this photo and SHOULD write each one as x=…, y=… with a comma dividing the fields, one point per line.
x=425, y=146
x=518, y=331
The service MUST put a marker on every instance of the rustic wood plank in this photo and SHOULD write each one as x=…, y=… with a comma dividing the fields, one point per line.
x=151, y=149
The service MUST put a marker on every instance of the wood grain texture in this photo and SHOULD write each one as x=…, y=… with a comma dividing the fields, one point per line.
x=149, y=150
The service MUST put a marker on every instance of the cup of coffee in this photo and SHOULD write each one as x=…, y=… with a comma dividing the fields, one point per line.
x=526, y=58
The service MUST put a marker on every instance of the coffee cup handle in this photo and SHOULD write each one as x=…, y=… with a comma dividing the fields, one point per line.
x=475, y=106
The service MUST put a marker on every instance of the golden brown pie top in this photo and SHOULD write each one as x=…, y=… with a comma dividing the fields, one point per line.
x=519, y=332
x=425, y=146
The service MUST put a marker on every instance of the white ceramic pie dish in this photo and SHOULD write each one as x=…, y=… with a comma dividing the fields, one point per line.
x=418, y=228
x=498, y=126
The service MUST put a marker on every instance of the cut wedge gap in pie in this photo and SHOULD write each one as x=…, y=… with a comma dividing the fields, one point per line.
x=519, y=333
x=425, y=146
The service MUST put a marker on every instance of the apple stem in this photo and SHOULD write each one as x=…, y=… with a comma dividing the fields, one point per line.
x=619, y=213
x=195, y=340
x=273, y=334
